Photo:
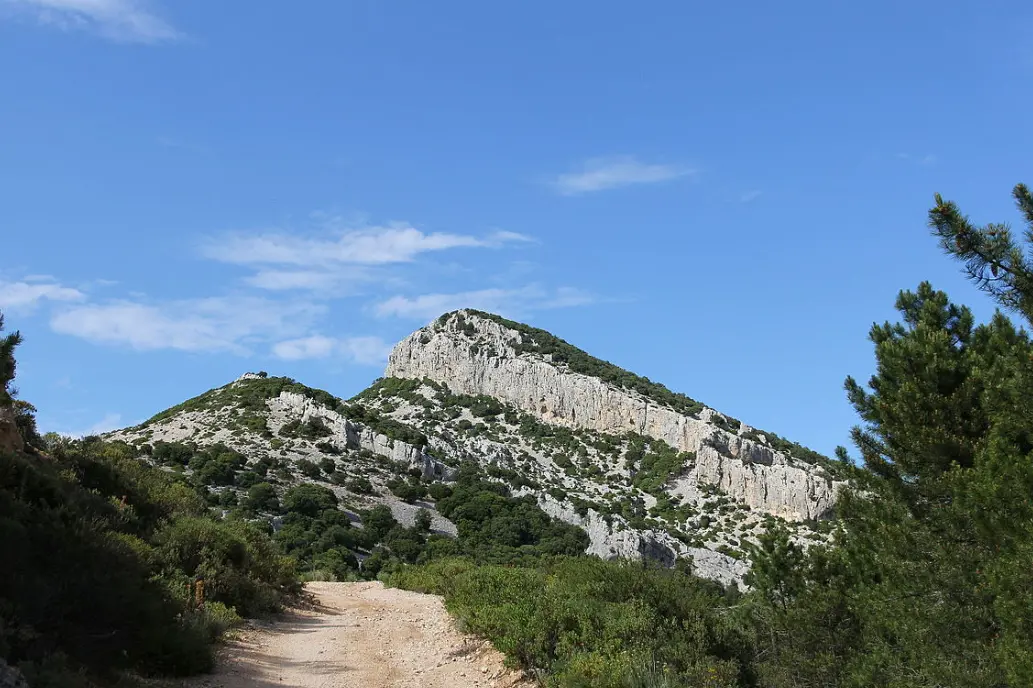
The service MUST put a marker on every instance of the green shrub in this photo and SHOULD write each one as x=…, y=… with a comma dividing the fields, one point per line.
x=407, y=491
x=239, y=564
x=171, y=453
x=262, y=497
x=97, y=547
x=585, y=622
x=308, y=469
x=216, y=465
x=360, y=485
x=309, y=500
x=439, y=491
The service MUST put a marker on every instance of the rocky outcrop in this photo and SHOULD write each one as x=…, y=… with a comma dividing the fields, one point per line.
x=349, y=435
x=476, y=355
x=10, y=437
x=616, y=540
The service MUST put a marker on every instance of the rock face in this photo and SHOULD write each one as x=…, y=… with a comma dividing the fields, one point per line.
x=349, y=435
x=611, y=544
x=477, y=355
x=10, y=437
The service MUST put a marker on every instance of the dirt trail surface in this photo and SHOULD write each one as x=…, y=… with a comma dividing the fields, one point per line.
x=360, y=635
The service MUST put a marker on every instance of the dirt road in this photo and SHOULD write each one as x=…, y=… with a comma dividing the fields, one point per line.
x=361, y=635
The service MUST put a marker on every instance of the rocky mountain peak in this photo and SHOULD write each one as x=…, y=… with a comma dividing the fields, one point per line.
x=643, y=471
x=478, y=353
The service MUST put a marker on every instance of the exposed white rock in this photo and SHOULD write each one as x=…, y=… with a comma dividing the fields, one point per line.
x=349, y=435
x=487, y=363
x=616, y=540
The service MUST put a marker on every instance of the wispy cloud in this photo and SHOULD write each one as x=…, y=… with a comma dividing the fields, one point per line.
x=26, y=295
x=361, y=350
x=600, y=174
x=230, y=324
x=750, y=196
x=336, y=261
x=367, y=246
x=504, y=301
x=310, y=280
x=110, y=421
x=131, y=21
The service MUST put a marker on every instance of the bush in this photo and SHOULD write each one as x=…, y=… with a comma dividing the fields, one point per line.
x=262, y=497
x=171, y=453
x=308, y=469
x=98, y=551
x=423, y=521
x=378, y=522
x=585, y=622
x=439, y=491
x=216, y=465
x=309, y=500
x=238, y=563
x=360, y=485
x=407, y=491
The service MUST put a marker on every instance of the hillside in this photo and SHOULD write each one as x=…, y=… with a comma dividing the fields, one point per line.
x=646, y=473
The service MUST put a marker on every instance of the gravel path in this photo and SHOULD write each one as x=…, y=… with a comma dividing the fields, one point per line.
x=361, y=635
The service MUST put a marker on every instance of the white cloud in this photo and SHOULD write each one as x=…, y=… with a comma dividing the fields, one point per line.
x=367, y=246
x=316, y=346
x=567, y=297
x=336, y=281
x=366, y=350
x=283, y=280
x=599, y=174
x=362, y=350
x=131, y=21
x=212, y=324
x=27, y=294
x=110, y=421
x=503, y=301
x=502, y=236
x=750, y=196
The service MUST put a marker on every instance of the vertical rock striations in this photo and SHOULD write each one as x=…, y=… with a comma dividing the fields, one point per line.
x=473, y=353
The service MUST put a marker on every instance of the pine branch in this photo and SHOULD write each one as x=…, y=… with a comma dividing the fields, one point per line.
x=992, y=258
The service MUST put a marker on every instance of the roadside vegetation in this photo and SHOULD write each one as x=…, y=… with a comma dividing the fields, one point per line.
x=101, y=557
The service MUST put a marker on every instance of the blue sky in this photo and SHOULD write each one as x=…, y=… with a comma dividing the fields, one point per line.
x=720, y=196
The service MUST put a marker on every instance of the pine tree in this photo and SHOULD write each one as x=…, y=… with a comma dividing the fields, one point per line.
x=930, y=578
x=7, y=364
x=992, y=257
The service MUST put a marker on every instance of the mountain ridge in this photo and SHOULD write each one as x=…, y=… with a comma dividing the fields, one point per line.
x=645, y=472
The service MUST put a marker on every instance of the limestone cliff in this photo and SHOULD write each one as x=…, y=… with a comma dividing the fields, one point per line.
x=475, y=354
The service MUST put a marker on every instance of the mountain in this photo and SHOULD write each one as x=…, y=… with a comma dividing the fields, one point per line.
x=645, y=472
